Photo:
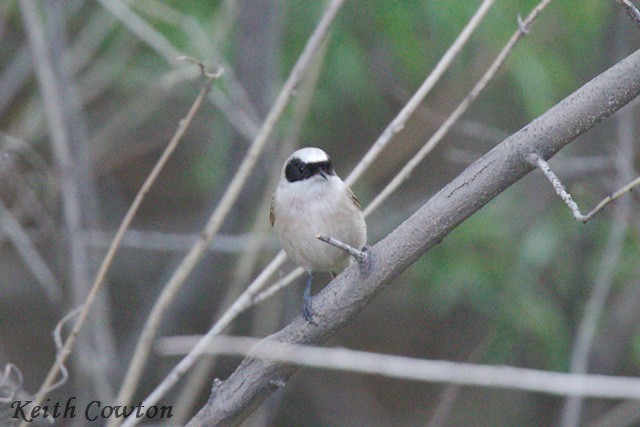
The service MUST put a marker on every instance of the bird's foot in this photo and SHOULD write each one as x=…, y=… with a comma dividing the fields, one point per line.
x=307, y=312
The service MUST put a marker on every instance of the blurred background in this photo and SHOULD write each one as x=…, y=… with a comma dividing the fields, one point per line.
x=509, y=286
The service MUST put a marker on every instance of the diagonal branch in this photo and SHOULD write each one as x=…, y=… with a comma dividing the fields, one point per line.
x=234, y=399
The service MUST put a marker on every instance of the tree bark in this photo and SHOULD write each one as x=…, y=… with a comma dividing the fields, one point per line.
x=234, y=399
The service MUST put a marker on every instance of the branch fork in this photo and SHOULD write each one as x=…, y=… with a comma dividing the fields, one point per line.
x=542, y=164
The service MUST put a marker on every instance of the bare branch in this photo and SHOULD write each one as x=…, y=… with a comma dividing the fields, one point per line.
x=235, y=398
x=9, y=385
x=566, y=197
x=608, y=265
x=142, y=29
x=398, y=123
x=407, y=368
x=403, y=175
x=174, y=242
x=357, y=254
x=631, y=10
x=66, y=349
x=279, y=285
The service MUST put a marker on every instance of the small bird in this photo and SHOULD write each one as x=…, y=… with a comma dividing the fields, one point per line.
x=311, y=200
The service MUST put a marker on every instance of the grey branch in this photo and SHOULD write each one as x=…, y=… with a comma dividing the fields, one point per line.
x=356, y=253
x=413, y=369
x=631, y=10
x=235, y=398
x=566, y=197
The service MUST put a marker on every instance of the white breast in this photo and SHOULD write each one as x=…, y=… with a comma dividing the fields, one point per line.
x=310, y=207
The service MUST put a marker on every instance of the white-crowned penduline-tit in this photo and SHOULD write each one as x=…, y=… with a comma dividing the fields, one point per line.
x=311, y=200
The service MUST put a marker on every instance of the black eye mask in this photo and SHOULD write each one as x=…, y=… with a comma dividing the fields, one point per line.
x=298, y=170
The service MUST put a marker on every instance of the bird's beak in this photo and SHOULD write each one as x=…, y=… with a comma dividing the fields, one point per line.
x=323, y=174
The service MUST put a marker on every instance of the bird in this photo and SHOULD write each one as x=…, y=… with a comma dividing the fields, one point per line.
x=312, y=200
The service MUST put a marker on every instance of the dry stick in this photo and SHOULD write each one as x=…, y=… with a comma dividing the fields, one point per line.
x=241, y=118
x=7, y=383
x=413, y=369
x=543, y=165
x=233, y=399
x=356, y=253
x=276, y=287
x=631, y=10
x=144, y=346
x=142, y=29
x=240, y=305
x=66, y=349
x=398, y=123
x=606, y=272
x=49, y=85
x=403, y=175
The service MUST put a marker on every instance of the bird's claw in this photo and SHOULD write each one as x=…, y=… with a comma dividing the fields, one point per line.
x=307, y=313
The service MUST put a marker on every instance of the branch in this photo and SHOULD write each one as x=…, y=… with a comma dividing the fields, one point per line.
x=413, y=369
x=66, y=349
x=398, y=123
x=523, y=28
x=566, y=197
x=631, y=10
x=359, y=255
x=594, y=309
x=233, y=399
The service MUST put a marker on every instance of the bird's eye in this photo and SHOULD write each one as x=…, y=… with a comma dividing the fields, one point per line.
x=296, y=170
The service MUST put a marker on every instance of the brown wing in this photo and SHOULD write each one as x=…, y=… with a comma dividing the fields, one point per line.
x=354, y=199
x=272, y=215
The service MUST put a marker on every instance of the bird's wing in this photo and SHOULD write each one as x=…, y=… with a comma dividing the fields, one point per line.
x=354, y=199
x=272, y=214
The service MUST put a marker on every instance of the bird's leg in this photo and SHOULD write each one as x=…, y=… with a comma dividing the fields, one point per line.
x=306, y=299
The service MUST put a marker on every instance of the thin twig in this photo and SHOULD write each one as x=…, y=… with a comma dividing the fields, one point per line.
x=523, y=28
x=142, y=29
x=398, y=123
x=566, y=197
x=240, y=113
x=66, y=349
x=143, y=348
x=438, y=371
x=6, y=382
x=356, y=253
x=277, y=286
x=170, y=242
x=631, y=10
x=240, y=305
x=65, y=162
x=203, y=70
x=611, y=256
